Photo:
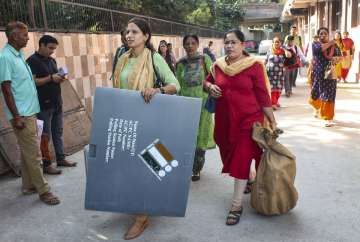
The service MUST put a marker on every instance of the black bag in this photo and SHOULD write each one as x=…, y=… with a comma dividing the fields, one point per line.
x=158, y=82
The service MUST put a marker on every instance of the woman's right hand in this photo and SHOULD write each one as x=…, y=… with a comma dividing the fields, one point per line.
x=214, y=91
x=149, y=93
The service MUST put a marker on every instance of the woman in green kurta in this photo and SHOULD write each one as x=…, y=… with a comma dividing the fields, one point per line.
x=140, y=68
x=191, y=70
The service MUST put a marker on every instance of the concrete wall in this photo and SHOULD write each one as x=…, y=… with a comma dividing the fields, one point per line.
x=89, y=57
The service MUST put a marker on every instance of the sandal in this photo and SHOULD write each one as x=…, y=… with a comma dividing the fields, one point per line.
x=233, y=217
x=49, y=198
x=195, y=177
x=248, y=187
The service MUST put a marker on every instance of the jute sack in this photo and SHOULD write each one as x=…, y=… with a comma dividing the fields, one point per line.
x=274, y=192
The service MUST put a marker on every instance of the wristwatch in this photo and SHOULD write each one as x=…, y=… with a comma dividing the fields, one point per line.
x=162, y=90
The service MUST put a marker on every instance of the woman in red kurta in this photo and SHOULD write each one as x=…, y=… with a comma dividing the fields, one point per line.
x=241, y=88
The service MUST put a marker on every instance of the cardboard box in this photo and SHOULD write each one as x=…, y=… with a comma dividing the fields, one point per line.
x=141, y=155
x=76, y=123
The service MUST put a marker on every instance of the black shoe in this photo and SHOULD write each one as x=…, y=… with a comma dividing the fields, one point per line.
x=195, y=177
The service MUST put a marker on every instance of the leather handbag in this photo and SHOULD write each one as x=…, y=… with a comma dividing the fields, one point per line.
x=330, y=71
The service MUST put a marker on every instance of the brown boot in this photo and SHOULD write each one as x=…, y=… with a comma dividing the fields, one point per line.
x=140, y=224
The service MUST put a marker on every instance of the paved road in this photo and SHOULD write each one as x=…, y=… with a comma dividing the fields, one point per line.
x=328, y=180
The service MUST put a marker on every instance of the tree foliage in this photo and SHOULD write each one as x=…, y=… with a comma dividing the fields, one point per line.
x=220, y=14
x=228, y=13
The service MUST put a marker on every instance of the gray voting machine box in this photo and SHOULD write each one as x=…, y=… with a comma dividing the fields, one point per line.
x=140, y=156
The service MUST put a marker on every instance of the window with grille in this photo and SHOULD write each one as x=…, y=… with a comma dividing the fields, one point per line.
x=355, y=16
x=336, y=15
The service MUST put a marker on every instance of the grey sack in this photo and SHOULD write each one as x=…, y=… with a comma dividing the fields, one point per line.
x=141, y=155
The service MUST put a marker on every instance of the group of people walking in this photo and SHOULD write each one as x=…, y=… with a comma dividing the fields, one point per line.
x=246, y=92
x=282, y=63
x=329, y=63
x=239, y=104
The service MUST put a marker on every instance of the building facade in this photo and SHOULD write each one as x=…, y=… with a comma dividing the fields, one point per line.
x=341, y=15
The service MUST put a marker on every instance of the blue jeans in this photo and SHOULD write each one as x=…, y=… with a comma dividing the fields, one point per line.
x=295, y=74
x=289, y=79
x=53, y=127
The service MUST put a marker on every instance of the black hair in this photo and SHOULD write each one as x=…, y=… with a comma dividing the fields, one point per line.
x=145, y=29
x=277, y=37
x=322, y=28
x=160, y=43
x=290, y=38
x=194, y=36
x=47, y=39
x=123, y=32
x=239, y=35
x=339, y=32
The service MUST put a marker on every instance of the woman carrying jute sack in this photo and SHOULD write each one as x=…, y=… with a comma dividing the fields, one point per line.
x=274, y=192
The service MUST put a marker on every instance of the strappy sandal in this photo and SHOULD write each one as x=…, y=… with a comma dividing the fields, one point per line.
x=233, y=217
x=248, y=187
x=49, y=198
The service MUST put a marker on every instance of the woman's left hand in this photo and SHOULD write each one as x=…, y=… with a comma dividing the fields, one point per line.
x=149, y=93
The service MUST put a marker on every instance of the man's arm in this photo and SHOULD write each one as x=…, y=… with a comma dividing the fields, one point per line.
x=42, y=81
x=50, y=78
x=36, y=70
x=286, y=40
x=10, y=102
x=301, y=44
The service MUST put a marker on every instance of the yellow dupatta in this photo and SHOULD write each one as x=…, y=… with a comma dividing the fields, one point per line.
x=142, y=74
x=239, y=66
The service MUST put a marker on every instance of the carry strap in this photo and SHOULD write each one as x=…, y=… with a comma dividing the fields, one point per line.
x=158, y=82
x=152, y=60
x=204, y=66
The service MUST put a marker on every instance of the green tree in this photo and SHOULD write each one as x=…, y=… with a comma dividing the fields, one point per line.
x=202, y=15
x=221, y=14
x=229, y=14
